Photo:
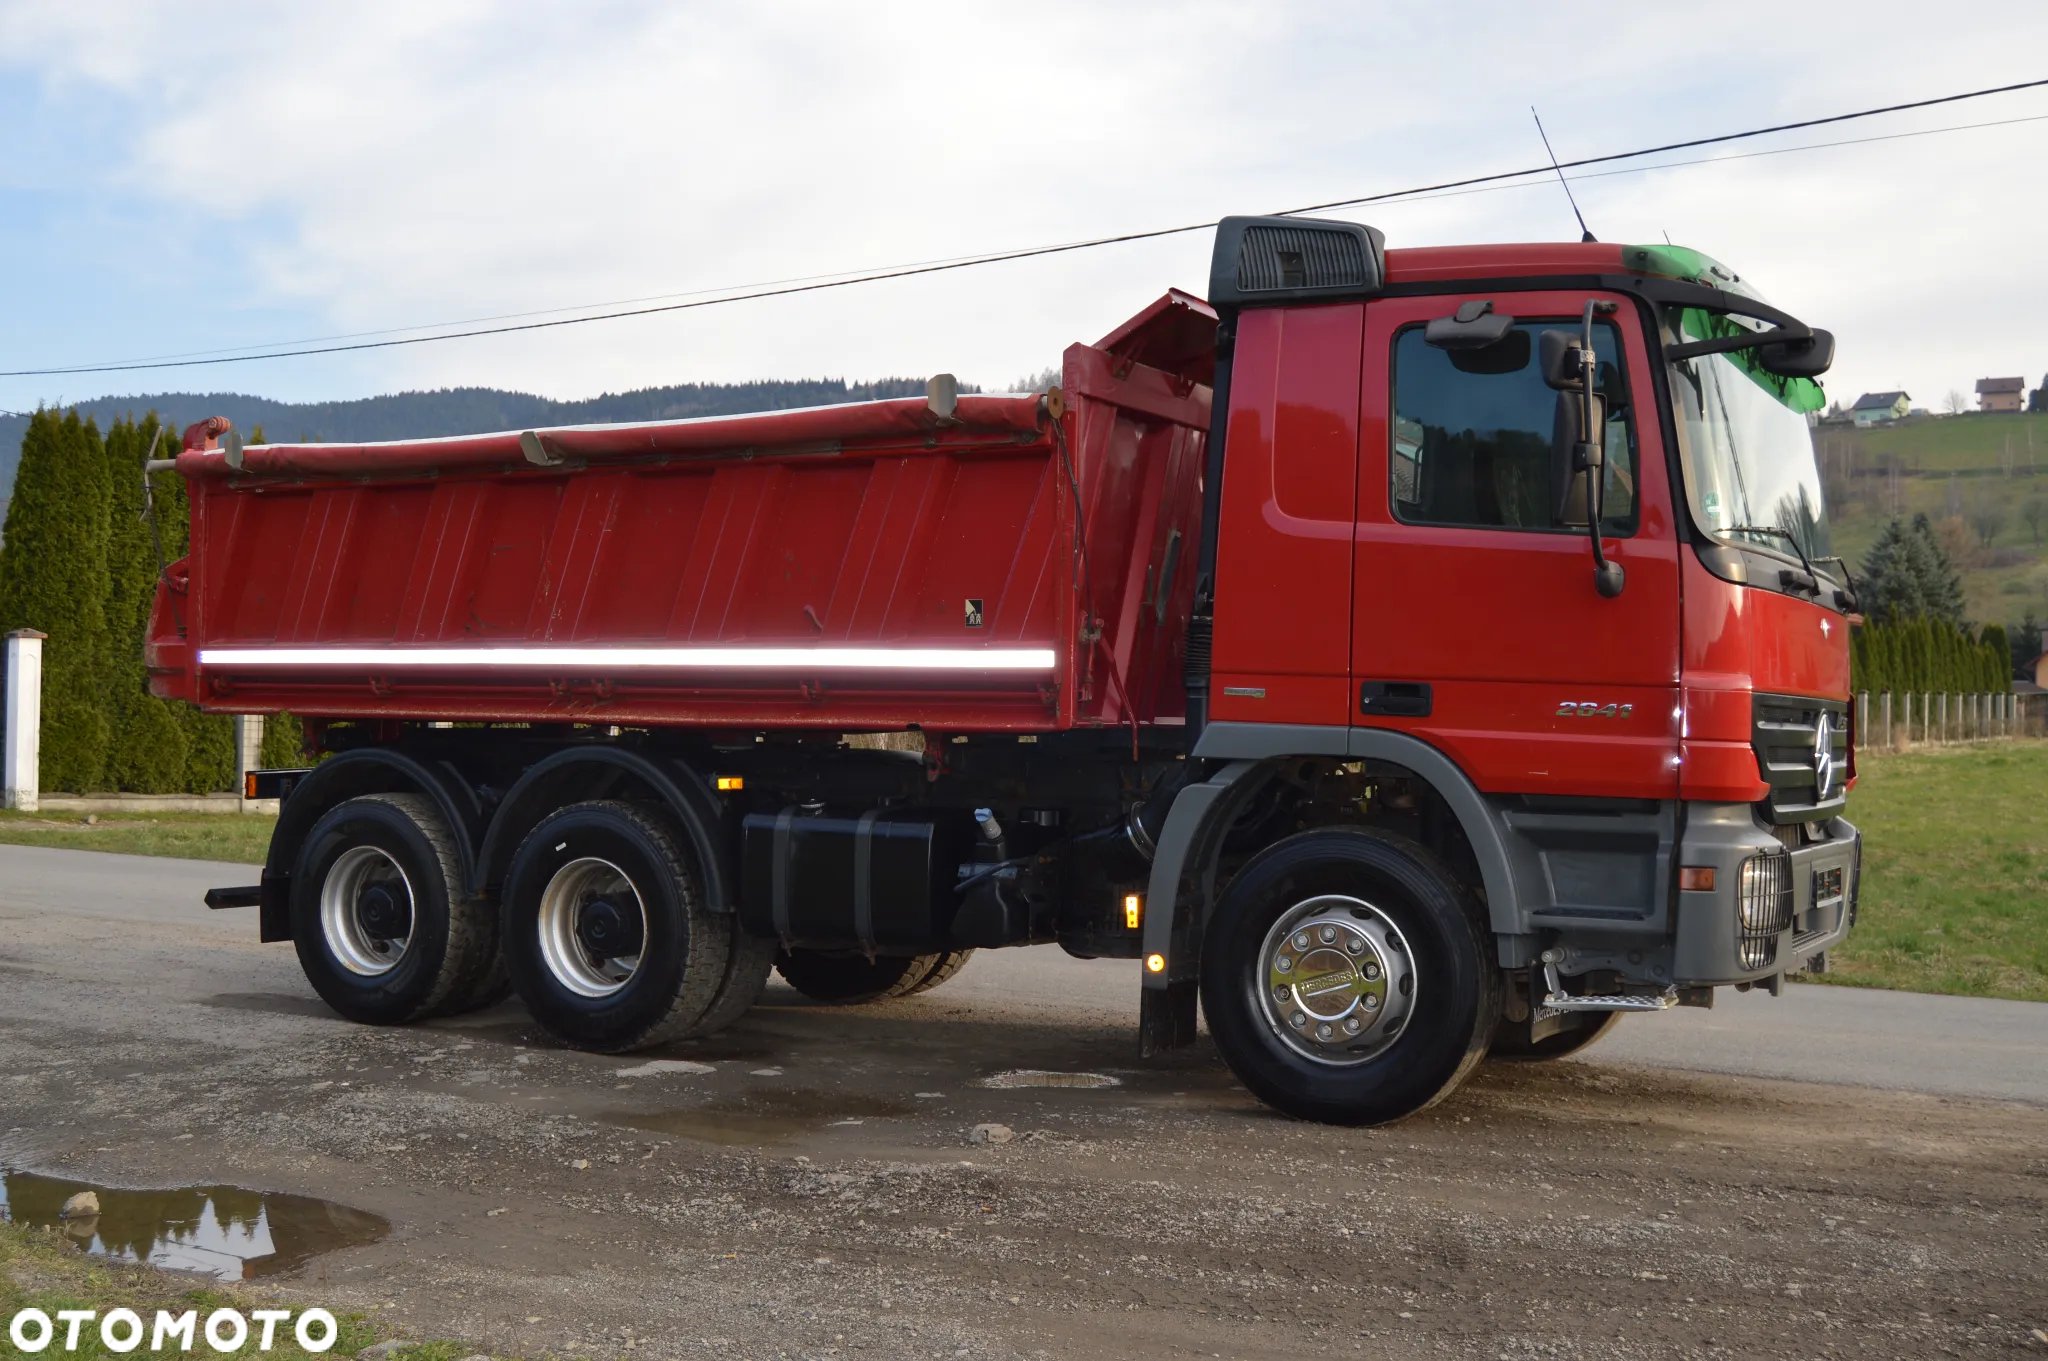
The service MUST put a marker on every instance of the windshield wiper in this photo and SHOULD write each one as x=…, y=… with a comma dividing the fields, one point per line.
x=1786, y=576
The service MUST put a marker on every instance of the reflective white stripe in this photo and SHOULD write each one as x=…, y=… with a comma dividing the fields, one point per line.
x=652, y=658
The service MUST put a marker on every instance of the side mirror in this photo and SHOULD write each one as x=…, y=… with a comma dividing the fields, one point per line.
x=1571, y=459
x=1558, y=356
x=1809, y=358
x=1474, y=326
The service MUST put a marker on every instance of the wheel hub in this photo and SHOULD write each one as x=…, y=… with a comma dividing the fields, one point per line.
x=384, y=915
x=1337, y=979
x=606, y=931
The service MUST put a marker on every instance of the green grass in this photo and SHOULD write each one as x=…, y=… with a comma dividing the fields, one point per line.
x=1955, y=873
x=38, y=1270
x=232, y=837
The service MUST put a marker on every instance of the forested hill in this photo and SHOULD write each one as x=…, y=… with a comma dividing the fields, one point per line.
x=456, y=411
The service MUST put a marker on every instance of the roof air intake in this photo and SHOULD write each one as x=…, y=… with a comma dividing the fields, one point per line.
x=1273, y=260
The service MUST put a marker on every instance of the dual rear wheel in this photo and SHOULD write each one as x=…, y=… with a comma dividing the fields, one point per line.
x=601, y=926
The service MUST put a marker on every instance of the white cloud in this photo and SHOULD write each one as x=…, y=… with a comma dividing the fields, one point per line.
x=389, y=164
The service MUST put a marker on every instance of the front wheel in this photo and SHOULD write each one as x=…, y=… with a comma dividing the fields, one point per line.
x=1347, y=977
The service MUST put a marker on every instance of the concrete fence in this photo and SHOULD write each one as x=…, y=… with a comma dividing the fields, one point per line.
x=21, y=682
x=1893, y=721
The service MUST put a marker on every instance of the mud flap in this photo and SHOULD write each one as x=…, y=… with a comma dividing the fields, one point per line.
x=1166, y=1018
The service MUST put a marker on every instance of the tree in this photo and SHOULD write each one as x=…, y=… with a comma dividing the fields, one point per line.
x=1908, y=573
x=1955, y=404
x=1988, y=518
x=53, y=578
x=148, y=747
x=2035, y=513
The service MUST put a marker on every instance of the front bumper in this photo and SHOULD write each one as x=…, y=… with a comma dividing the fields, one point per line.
x=1707, y=947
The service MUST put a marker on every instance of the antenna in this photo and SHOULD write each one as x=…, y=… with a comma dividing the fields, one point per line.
x=1586, y=233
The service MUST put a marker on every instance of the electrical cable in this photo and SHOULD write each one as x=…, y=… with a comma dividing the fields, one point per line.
x=788, y=288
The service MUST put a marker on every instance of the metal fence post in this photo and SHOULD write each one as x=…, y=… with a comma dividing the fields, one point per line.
x=1890, y=739
x=21, y=752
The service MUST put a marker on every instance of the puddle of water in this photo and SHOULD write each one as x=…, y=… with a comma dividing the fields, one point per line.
x=1039, y=1077
x=223, y=1231
x=770, y=1117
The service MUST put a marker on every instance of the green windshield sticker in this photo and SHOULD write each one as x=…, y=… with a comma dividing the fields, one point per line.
x=1800, y=394
x=1691, y=266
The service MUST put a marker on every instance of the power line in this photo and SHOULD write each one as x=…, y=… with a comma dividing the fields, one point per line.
x=786, y=288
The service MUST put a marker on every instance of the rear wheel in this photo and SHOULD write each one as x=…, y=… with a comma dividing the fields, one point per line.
x=604, y=930
x=385, y=930
x=1346, y=977
x=845, y=979
x=1511, y=1038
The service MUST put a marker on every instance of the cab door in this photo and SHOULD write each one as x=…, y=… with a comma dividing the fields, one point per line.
x=1476, y=625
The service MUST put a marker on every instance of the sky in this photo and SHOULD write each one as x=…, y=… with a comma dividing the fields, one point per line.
x=198, y=176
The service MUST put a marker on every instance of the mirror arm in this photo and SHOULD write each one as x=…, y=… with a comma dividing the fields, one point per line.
x=1608, y=577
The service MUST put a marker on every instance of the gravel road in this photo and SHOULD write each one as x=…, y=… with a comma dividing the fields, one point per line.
x=1831, y=1173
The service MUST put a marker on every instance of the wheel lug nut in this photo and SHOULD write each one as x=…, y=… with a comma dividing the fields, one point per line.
x=1372, y=1003
x=1355, y=946
x=1280, y=995
x=1371, y=972
x=1323, y=1032
x=1353, y=1025
x=1283, y=964
x=1301, y=940
x=1328, y=934
x=1297, y=1020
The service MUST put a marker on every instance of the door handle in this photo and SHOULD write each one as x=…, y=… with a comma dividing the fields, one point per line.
x=1394, y=699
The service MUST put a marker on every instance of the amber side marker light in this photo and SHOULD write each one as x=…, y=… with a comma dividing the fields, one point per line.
x=1155, y=963
x=1134, y=910
x=248, y=784
x=1696, y=878
x=728, y=784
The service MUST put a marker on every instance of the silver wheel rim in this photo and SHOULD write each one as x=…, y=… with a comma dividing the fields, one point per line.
x=576, y=888
x=1336, y=980
x=359, y=947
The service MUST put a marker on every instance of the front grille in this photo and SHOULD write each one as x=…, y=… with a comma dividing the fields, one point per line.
x=1763, y=909
x=1785, y=734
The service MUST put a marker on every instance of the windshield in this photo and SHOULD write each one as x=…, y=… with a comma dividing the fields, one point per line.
x=1750, y=469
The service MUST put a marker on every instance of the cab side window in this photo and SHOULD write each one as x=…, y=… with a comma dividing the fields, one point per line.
x=1472, y=435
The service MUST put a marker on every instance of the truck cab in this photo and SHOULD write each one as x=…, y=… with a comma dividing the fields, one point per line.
x=1636, y=756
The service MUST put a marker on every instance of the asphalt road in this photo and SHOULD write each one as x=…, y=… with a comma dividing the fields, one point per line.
x=1835, y=1172
x=1955, y=1046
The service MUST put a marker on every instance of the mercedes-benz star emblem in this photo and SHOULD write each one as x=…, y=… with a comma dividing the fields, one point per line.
x=1823, y=759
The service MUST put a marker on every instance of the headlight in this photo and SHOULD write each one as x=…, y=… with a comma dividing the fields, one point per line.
x=1763, y=909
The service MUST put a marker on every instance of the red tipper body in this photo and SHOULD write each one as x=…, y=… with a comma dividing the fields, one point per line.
x=872, y=565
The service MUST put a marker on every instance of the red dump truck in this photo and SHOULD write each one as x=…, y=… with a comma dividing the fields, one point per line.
x=1410, y=654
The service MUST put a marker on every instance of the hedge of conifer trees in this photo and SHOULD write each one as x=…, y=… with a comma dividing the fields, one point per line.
x=1917, y=640
x=79, y=564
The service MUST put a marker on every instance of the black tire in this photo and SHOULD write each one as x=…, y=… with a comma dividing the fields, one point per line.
x=746, y=974
x=950, y=963
x=394, y=866
x=1511, y=1038
x=1450, y=1012
x=664, y=990
x=848, y=979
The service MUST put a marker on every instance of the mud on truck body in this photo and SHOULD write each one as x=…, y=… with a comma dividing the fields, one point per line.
x=1403, y=655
